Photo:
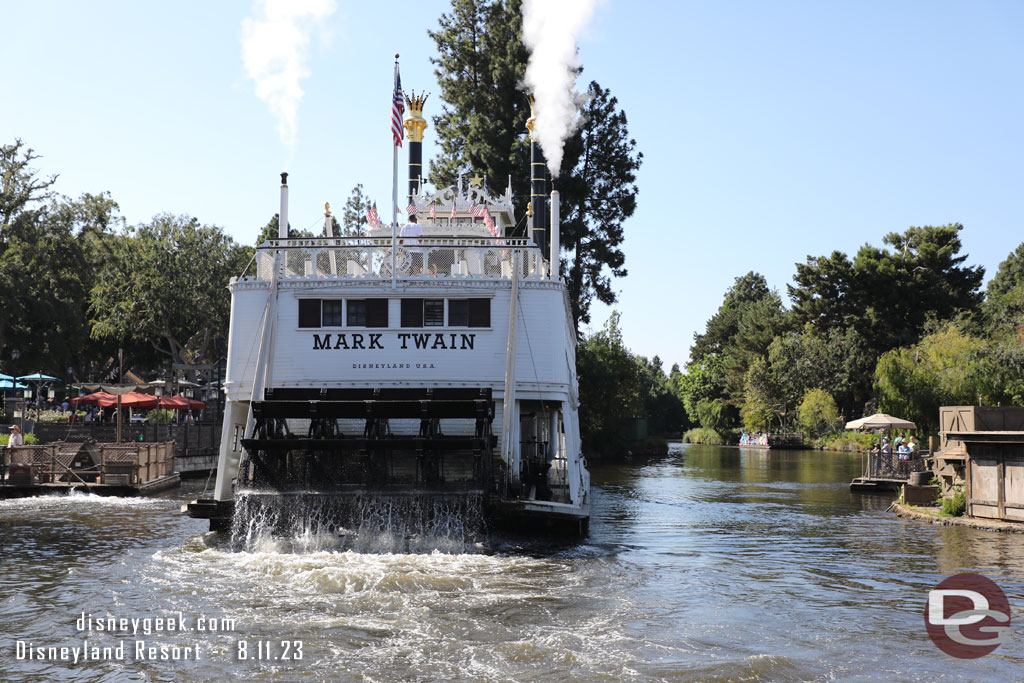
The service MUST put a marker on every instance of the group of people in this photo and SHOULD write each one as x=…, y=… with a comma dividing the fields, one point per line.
x=904, y=448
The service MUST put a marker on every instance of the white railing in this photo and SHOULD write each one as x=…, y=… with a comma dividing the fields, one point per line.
x=422, y=258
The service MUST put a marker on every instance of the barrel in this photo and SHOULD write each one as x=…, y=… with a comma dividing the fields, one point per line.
x=19, y=474
x=920, y=478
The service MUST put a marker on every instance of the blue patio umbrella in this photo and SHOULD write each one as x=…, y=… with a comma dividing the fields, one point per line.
x=38, y=377
x=9, y=384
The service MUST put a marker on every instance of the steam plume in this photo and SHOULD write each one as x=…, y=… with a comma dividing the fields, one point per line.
x=550, y=31
x=275, y=46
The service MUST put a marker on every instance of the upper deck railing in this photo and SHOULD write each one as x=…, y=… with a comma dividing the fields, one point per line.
x=419, y=258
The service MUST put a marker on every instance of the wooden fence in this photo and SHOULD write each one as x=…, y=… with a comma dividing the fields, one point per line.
x=130, y=464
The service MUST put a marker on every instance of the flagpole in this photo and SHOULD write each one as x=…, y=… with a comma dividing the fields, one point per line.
x=394, y=205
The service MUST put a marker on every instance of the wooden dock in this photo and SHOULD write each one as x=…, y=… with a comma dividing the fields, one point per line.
x=884, y=473
x=129, y=469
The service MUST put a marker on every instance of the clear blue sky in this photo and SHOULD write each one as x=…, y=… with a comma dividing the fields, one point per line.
x=770, y=130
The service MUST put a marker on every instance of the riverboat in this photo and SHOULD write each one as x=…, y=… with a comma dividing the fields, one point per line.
x=426, y=368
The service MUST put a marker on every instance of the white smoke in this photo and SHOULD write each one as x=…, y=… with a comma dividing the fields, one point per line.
x=550, y=31
x=275, y=47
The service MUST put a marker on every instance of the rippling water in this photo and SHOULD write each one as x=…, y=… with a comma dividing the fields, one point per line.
x=712, y=564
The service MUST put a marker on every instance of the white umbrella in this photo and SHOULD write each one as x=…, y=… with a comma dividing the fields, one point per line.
x=880, y=421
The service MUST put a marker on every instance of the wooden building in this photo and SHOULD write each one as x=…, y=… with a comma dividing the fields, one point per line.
x=983, y=451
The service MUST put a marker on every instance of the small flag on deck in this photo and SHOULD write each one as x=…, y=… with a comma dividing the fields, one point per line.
x=452, y=217
x=371, y=215
x=412, y=208
x=433, y=212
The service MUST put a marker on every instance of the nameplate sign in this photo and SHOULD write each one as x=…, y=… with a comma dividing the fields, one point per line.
x=431, y=341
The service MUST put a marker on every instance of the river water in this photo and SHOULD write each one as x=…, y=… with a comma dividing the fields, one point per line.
x=711, y=564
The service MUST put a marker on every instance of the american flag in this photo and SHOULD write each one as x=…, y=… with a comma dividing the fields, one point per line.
x=478, y=210
x=371, y=215
x=433, y=212
x=412, y=208
x=452, y=217
x=397, y=109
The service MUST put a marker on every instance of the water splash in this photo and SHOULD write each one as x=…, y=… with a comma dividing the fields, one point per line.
x=369, y=523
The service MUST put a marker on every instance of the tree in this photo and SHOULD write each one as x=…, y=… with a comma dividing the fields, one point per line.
x=166, y=285
x=481, y=64
x=1004, y=300
x=760, y=405
x=611, y=389
x=51, y=248
x=21, y=186
x=817, y=412
x=944, y=368
x=353, y=220
x=598, y=186
x=888, y=295
x=741, y=331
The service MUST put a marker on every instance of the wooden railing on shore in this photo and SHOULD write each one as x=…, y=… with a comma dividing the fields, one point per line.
x=198, y=438
x=130, y=464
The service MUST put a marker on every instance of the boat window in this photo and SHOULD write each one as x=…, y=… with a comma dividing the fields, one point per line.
x=376, y=312
x=412, y=312
x=356, y=313
x=433, y=313
x=309, y=312
x=479, y=312
x=331, y=313
x=458, y=312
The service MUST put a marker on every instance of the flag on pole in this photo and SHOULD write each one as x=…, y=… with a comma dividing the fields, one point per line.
x=433, y=213
x=452, y=217
x=371, y=215
x=397, y=109
x=412, y=209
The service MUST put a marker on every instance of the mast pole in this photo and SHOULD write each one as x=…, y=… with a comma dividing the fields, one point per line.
x=394, y=203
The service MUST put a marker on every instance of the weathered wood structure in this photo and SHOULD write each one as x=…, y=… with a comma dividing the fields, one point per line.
x=118, y=469
x=983, y=452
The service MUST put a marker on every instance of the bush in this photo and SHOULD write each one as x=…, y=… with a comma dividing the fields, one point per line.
x=161, y=415
x=30, y=439
x=955, y=505
x=705, y=436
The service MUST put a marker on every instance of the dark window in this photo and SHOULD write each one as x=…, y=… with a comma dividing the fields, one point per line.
x=356, y=313
x=433, y=313
x=479, y=312
x=412, y=312
x=458, y=313
x=332, y=313
x=376, y=312
x=309, y=312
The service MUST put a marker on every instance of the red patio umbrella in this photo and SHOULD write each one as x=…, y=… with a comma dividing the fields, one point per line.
x=92, y=399
x=132, y=399
x=180, y=403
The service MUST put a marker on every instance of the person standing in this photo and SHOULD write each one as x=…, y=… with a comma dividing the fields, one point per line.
x=410, y=232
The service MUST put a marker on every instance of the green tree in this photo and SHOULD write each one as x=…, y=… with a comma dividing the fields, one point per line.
x=51, y=248
x=817, y=413
x=611, y=389
x=353, y=218
x=944, y=368
x=480, y=67
x=166, y=285
x=1004, y=300
x=761, y=407
x=889, y=295
x=704, y=379
x=598, y=189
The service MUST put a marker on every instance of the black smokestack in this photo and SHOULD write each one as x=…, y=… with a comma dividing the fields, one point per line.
x=539, y=196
